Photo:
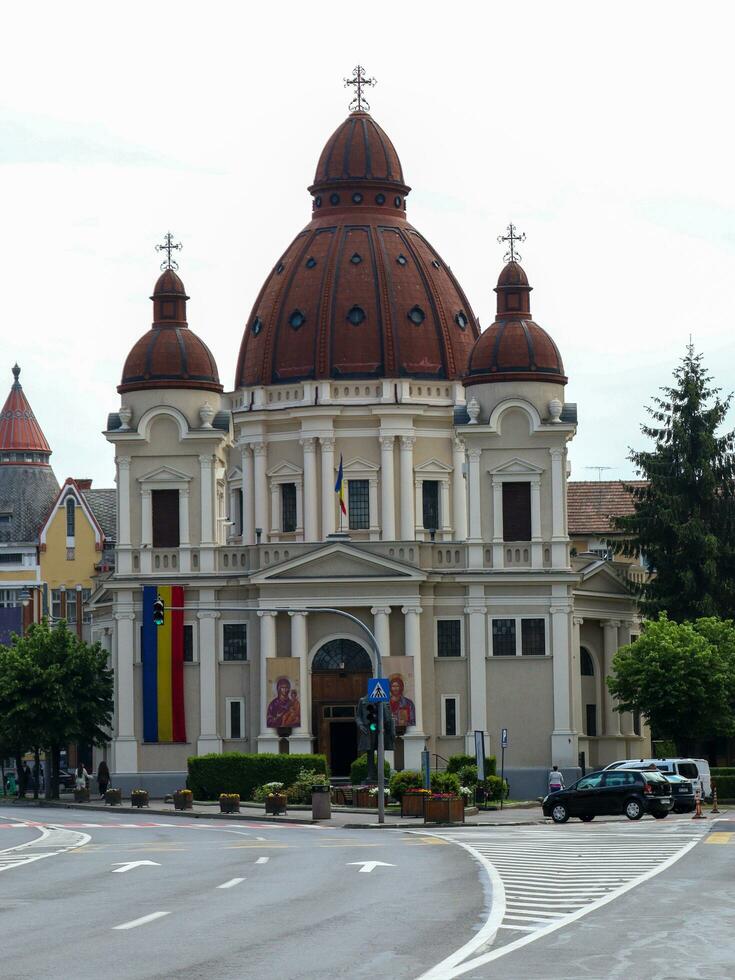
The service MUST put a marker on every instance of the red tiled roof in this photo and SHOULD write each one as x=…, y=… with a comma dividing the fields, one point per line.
x=591, y=504
x=19, y=430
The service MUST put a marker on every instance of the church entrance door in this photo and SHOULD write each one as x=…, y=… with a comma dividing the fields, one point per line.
x=339, y=676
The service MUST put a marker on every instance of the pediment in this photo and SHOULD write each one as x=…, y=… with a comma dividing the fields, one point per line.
x=599, y=577
x=433, y=466
x=516, y=467
x=359, y=465
x=285, y=469
x=339, y=562
x=234, y=474
x=164, y=474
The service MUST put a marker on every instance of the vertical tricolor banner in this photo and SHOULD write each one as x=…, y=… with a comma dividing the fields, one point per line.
x=163, y=666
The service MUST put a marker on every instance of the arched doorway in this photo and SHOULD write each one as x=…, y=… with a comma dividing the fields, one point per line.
x=339, y=674
x=588, y=683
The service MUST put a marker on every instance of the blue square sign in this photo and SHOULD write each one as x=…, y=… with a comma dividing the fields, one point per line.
x=378, y=689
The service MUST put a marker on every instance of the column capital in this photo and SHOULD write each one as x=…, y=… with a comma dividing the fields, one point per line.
x=184, y=491
x=475, y=453
x=145, y=491
x=470, y=610
x=246, y=447
x=125, y=615
x=328, y=442
x=577, y=620
x=377, y=610
x=308, y=443
x=387, y=442
x=407, y=442
x=560, y=610
x=458, y=444
x=122, y=462
x=208, y=614
x=411, y=609
x=556, y=451
x=611, y=623
x=267, y=612
x=205, y=459
x=259, y=448
x=298, y=612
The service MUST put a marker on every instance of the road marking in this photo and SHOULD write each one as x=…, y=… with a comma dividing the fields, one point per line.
x=51, y=841
x=258, y=846
x=262, y=860
x=353, y=845
x=231, y=883
x=368, y=866
x=719, y=837
x=261, y=838
x=129, y=865
x=142, y=920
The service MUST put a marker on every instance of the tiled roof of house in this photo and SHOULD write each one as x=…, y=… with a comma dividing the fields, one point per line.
x=103, y=504
x=591, y=504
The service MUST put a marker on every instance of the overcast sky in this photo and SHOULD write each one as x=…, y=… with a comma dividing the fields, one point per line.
x=603, y=130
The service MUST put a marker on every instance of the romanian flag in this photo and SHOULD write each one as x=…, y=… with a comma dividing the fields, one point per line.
x=339, y=486
x=163, y=666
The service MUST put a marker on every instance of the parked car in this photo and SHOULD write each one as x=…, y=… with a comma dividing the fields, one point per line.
x=66, y=779
x=629, y=791
x=697, y=770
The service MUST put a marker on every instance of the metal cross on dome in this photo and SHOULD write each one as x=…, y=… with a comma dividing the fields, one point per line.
x=512, y=255
x=360, y=103
x=168, y=247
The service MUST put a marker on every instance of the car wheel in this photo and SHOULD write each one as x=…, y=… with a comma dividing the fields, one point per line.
x=660, y=816
x=587, y=818
x=559, y=813
x=633, y=810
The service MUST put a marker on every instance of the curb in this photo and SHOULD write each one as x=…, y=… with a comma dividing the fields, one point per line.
x=187, y=814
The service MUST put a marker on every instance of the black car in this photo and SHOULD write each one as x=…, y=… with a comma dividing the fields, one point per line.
x=613, y=791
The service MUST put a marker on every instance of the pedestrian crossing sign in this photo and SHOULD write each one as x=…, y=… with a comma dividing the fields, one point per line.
x=378, y=689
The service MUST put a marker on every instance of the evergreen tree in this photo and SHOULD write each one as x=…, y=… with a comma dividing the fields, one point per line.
x=684, y=518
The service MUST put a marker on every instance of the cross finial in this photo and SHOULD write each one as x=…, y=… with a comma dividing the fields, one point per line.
x=512, y=237
x=360, y=103
x=168, y=247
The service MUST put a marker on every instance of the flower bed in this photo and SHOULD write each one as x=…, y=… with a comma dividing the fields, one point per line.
x=113, y=797
x=183, y=799
x=412, y=802
x=275, y=803
x=443, y=808
x=229, y=802
x=139, y=797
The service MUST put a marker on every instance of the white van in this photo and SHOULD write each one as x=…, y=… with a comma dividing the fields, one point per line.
x=696, y=770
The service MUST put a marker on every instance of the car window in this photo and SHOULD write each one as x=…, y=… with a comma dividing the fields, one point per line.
x=620, y=779
x=688, y=770
x=589, y=782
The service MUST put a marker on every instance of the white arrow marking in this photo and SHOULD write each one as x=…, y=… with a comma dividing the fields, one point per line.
x=369, y=865
x=129, y=865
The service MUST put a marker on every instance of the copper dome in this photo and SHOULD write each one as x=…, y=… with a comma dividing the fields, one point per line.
x=359, y=293
x=169, y=355
x=514, y=348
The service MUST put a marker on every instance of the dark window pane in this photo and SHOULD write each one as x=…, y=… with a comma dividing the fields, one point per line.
x=358, y=504
x=450, y=716
x=504, y=637
x=591, y=727
x=70, y=517
x=637, y=722
x=288, y=507
x=71, y=607
x=448, y=637
x=234, y=641
x=586, y=664
x=235, y=719
x=533, y=637
x=430, y=494
x=516, y=511
x=165, y=518
x=188, y=644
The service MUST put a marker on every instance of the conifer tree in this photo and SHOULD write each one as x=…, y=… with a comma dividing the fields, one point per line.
x=683, y=524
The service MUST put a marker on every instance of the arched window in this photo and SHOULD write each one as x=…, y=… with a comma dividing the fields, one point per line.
x=586, y=663
x=343, y=655
x=70, y=517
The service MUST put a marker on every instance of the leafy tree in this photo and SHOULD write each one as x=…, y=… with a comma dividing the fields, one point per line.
x=681, y=676
x=684, y=517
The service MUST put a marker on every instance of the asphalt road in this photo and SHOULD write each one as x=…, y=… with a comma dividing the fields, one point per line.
x=252, y=900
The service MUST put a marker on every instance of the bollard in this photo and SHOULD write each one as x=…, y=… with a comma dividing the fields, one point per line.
x=698, y=815
x=715, y=808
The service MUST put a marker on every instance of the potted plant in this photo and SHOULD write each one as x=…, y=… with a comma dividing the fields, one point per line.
x=139, y=797
x=275, y=798
x=229, y=802
x=443, y=808
x=113, y=797
x=183, y=799
x=412, y=802
x=81, y=795
x=363, y=797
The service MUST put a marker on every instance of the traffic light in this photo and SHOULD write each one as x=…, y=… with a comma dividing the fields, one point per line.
x=158, y=611
x=372, y=717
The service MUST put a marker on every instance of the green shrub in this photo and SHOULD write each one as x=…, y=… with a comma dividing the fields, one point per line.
x=665, y=748
x=358, y=770
x=445, y=782
x=300, y=790
x=237, y=772
x=722, y=771
x=496, y=788
x=457, y=762
x=725, y=786
x=401, y=781
x=468, y=776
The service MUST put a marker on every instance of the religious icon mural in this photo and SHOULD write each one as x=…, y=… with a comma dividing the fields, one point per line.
x=399, y=671
x=284, y=710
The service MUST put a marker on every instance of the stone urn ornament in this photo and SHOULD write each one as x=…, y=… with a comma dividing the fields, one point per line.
x=473, y=410
x=555, y=410
x=126, y=413
x=206, y=414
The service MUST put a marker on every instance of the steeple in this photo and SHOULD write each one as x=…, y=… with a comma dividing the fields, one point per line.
x=22, y=441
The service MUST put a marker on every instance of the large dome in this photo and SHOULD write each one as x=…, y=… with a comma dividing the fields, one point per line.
x=169, y=355
x=359, y=293
x=514, y=348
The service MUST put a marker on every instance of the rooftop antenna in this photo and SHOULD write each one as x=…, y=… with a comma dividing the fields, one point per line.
x=600, y=470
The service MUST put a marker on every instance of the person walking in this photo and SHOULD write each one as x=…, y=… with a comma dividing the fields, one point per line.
x=556, y=780
x=81, y=779
x=103, y=778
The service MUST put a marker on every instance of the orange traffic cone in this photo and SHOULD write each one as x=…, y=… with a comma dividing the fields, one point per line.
x=698, y=815
x=715, y=808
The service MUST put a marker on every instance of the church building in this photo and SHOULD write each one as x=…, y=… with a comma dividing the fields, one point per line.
x=362, y=366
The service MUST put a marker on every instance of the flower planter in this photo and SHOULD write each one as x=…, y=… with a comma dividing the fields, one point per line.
x=81, y=796
x=275, y=803
x=229, y=803
x=363, y=799
x=443, y=810
x=113, y=797
x=183, y=800
x=139, y=797
x=412, y=804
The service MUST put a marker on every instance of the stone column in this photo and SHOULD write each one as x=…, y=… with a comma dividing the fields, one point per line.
x=408, y=526
x=537, y=544
x=209, y=738
x=387, y=489
x=459, y=492
x=260, y=485
x=420, y=532
x=563, y=738
x=123, y=548
x=414, y=739
x=476, y=612
x=328, y=481
x=300, y=740
x=498, y=549
x=445, y=527
x=234, y=514
x=381, y=629
x=578, y=720
x=146, y=531
x=125, y=742
x=311, y=489
x=612, y=718
x=626, y=718
x=184, y=541
x=275, y=509
x=208, y=535
x=268, y=738
x=559, y=539
x=248, y=497
x=373, y=508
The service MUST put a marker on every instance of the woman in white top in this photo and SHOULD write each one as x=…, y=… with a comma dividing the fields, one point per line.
x=81, y=780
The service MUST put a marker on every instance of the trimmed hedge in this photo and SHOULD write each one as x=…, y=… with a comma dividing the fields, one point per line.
x=238, y=772
x=717, y=771
x=457, y=762
x=725, y=786
x=403, y=780
x=358, y=769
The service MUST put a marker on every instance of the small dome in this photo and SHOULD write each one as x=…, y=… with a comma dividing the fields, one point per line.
x=514, y=348
x=169, y=355
x=358, y=150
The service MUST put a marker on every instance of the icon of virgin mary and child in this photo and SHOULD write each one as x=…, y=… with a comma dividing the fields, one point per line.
x=402, y=708
x=284, y=711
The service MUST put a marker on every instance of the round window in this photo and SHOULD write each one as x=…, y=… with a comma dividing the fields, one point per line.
x=356, y=315
x=461, y=320
x=297, y=319
x=355, y=258
x=357, y=198
x=334, y=198
x=397, y=201
x=416, y=315
x=310, y=262
x=318, y=201
x=256, y=327
x=380, y=198
x=402, y=260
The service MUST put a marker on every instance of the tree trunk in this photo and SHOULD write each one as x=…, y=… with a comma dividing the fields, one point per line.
x=55, y=761
x=20, y=773
x=36, y=771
